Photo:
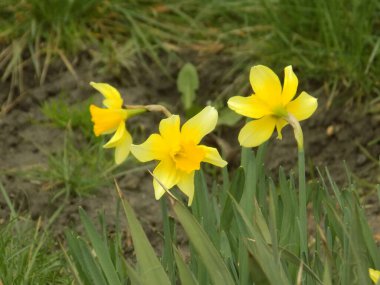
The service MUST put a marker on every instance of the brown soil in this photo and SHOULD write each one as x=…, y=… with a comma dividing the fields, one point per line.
x=331, y=137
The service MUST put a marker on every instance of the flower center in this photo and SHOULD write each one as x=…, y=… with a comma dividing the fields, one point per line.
x=280, y=111
x=188, y=157
x=106, y=120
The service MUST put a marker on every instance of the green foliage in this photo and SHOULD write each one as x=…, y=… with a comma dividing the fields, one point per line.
x=249, y=230
x=187, y=84
x=28, y=253
x=62, y=114
x=76, y=169
x=330, y=40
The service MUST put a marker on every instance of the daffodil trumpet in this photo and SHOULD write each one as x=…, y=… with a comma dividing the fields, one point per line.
x=179, y=153
x=112, y=120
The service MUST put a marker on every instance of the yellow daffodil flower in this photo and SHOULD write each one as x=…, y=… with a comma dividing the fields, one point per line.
x=374, y=275
x=112, y=120
x=272, y=106
x=179, y=152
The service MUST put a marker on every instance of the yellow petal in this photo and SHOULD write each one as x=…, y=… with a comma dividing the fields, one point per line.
x=122, y=148
x=106, y=120
x=167, y=175
x=374, y=275
x=112, y=99
x=117, y=137
x=153, y=148
x=266, y=85
x=302, y=107
x=251, y=106
x=256, y=132
x=212, y=156
x=200, y=125
x=169, y=130
x=290, y=85
x=186, y=185
x=279, y=125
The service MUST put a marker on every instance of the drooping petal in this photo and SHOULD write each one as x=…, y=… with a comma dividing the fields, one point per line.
x=212, y=156
x=303, y=106
x=117, y=137
x=290, y=85
x=106, y=120
x=186, y=185
x=266, y=85
x=153, y=148
x=112, y=99
x=123, y=148
x=167, y=175
x=169, y=130
x=374, y=275
x=251, y=106
x=279, y=125
x=200, y=125
x=256, y=132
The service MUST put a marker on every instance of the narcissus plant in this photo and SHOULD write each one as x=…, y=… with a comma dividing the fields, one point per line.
x=271, y=106
x=179, y=152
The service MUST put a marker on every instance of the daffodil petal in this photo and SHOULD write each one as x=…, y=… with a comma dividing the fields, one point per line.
x=153, y=148
x=374, y=275
x=256, y=132
x=123, y=148
x=200, y=125
x=303, y=106
x=165, y=174
x=251, y=106
x=186, y=185
x=279, y=125
x=212, y=156
x=112, y=99
x=266, y=85
x=117, y=137
x=170, y=131
x=106, y=120
x=290, y=85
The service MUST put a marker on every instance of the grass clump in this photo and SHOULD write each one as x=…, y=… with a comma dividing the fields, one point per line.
x=247, y=231
x=28, y=252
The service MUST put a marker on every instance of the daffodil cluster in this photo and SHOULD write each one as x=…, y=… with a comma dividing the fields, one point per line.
x=178, y=150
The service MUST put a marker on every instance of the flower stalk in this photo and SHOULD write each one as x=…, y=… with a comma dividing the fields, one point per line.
x=150, y=108
x=298, y=134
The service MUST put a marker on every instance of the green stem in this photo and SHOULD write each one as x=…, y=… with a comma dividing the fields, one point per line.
x=301, y=184
x=150, y=108
x=135, y=112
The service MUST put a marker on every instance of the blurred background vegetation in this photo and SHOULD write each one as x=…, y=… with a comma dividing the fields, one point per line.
x=333, y=43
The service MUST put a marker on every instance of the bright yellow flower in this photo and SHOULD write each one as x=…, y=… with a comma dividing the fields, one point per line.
x=270, y=105
x=374, y=275
x=179, y=152
x=112, y=120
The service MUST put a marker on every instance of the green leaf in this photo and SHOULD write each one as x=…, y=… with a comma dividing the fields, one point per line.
x=207, y=252
x=150, y=268
x=101, y=250
x=236, y=191
x=185, y=275
x=187, y=84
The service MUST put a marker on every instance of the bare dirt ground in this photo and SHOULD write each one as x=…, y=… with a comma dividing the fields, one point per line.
x=331, y=136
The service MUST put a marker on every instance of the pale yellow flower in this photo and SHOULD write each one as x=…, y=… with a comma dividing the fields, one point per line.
x=271, y=105
x=112, y=120
x=374, y=275
x=179, y=152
